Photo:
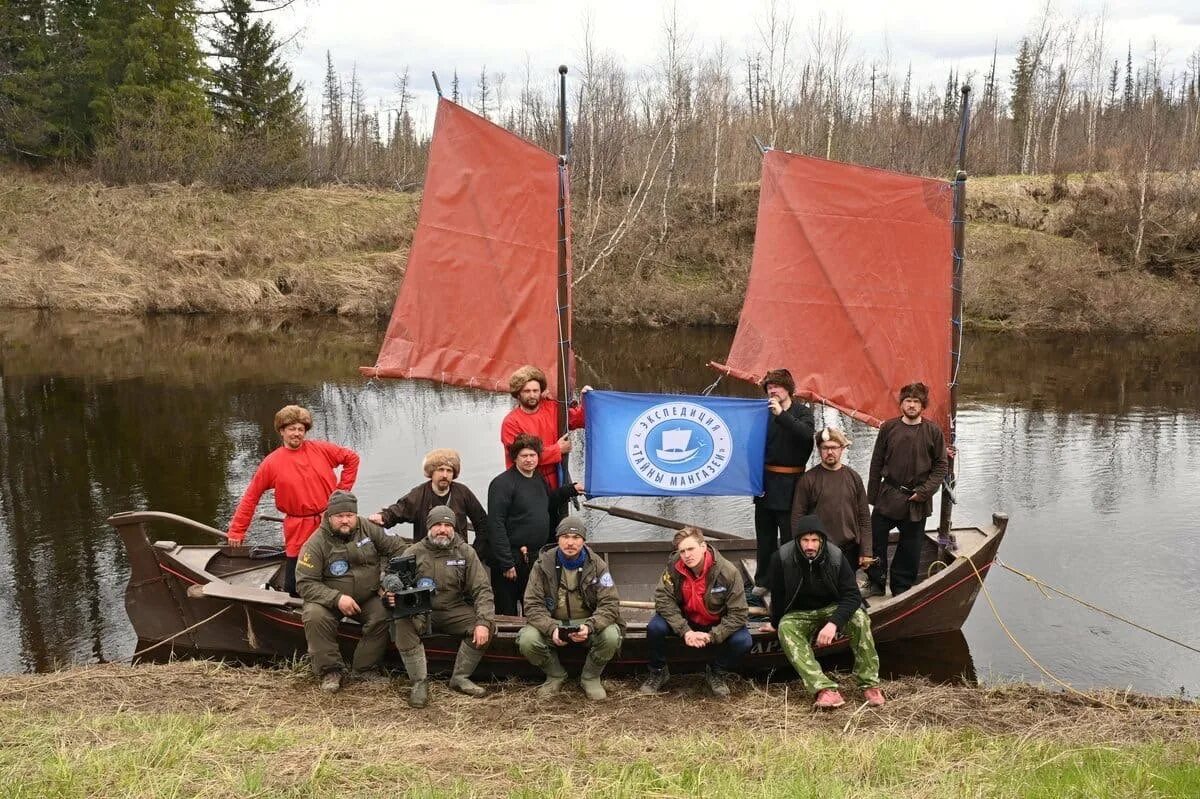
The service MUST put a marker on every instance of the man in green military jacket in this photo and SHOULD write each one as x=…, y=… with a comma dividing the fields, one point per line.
x=337, y=574
x=570, y=586
x=462, y=605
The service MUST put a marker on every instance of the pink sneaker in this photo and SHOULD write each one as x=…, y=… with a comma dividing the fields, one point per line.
x=828, y=699
x=874, y=696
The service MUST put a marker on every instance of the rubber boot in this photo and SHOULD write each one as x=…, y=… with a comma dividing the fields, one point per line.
x=414, y=664
x=556, y=675
x=465, y=661
x=589, y=679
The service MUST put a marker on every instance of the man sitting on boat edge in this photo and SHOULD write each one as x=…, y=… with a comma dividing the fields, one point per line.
x=537, y=415
x=301, y=472
x=442, y=489
x=701, y=598
x=571, y=600
x=813, y=590
x=462, y=606
x=337, y=574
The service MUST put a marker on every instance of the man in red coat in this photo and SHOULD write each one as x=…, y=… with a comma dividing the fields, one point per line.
x=301, y=473
x=537, y=415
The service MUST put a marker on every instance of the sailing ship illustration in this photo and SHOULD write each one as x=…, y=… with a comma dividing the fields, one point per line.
x=675, y=446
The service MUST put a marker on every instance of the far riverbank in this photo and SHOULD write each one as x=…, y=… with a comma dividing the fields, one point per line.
x=71, y=244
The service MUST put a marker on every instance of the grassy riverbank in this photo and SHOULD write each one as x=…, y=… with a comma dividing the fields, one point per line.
x=197, y=729
x=68, y=243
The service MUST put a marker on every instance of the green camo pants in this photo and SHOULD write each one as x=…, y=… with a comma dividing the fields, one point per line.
x=796, y=631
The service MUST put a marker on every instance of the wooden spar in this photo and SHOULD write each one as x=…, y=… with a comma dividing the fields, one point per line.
x=957, y=256
x=659, y=521
x=566, y=355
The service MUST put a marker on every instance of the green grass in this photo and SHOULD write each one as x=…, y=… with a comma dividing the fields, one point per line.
x=106, y=753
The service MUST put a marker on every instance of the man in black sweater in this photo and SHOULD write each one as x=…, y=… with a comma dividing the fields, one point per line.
x=813, y=590
x=522, y=510
x=789, y=443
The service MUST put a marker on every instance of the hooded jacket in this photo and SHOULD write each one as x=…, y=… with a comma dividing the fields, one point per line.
x=796, y=583
x=600, y=598
x=724, y=596
x=330, y=565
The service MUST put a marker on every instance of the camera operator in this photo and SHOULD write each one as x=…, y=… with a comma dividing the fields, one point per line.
x=337, y=574
x=462, y=605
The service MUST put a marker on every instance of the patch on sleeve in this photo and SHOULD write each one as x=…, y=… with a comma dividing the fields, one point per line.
x=717, y=589
x=666, y=579
x=338, y=568
x=606, y=580
x=306, y=561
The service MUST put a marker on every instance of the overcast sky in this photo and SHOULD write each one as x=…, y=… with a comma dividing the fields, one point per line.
x=379, y=38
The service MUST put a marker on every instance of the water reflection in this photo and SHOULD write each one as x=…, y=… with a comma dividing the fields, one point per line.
x=1090, y=446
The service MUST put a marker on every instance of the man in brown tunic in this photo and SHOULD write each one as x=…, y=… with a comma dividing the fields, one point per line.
x=907, y=467
x=442, y=467
x=836, y=495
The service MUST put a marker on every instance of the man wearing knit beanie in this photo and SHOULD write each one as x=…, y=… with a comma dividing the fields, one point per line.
x=337, y=574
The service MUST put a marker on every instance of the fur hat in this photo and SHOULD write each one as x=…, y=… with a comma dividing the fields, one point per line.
x=573, y=525
x=780, y=377
x=341, y=502
x=439, y=514
x=917, y=391
x=524, y=375
x=833, y=434
x=290, y=414
x=441, y=457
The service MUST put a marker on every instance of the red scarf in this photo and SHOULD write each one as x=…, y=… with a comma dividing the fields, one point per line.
x=694, y=586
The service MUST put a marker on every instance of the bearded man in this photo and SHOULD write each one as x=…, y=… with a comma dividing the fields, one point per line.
x=537, y=415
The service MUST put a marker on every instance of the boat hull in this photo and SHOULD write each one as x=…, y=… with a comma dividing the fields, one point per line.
x=173, y=616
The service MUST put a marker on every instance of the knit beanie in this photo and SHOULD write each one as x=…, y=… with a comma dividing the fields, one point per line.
x=341, y=502
x=439, y=514
x=573, y=525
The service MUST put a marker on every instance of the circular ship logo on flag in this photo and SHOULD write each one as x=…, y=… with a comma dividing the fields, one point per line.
x=678, y=446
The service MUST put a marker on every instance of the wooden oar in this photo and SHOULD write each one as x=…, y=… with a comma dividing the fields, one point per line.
x=659, y=521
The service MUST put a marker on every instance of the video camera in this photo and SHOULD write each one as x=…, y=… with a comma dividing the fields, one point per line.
x=414, y=595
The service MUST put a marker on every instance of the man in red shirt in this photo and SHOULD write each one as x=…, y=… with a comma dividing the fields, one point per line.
x=301, y=472
x=537, y=415
x=702, y=599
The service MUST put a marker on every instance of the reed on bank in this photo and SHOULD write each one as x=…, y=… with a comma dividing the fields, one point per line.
x=203, y=729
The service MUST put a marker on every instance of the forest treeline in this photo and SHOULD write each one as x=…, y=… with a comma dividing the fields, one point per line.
x=191, y=90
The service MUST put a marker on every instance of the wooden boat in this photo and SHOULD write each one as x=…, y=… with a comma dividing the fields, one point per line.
x=484, y=242
x=219, y=601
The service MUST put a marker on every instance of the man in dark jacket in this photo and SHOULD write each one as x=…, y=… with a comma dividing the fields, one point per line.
x=907, y=467
x=571, y=599
x=789, y=444
x=442, y=467
x=702, y=599
x=462, y=605
x=522, y=512
x=813, y=590
x=337, y=574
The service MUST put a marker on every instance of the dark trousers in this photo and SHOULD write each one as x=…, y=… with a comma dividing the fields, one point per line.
x=770, y=527
x=725, y=655
x=289, y=575
x=908, y=551
x=509, y=592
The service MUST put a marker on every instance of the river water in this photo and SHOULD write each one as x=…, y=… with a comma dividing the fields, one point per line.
x=1091, y=446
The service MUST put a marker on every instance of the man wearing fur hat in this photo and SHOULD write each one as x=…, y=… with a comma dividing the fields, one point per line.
x=537, y=415
x=462, y=605
x=442, y=467
x=836, y=494
x=789, y=445
x=813, y=591
x=571, y=587
x=907, y=467
x=302, y=474
x=337, y=574
x=702, y=599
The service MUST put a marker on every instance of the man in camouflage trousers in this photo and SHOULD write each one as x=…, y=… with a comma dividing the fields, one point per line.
x=813, y=591
x=462, y=605
x=337, y=574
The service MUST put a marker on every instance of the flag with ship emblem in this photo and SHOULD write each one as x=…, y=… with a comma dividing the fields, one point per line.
x=663, y=445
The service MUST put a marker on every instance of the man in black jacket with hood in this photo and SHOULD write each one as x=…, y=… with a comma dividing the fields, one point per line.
x=813, y=591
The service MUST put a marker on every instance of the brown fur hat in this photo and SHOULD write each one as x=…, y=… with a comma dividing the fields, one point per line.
x=441, y=457
x=290, y=414
x=524, y=375
x=918, y=391
x=780, y=377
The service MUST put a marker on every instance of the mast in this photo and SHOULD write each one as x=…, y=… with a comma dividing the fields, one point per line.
x=566, y=355
x=945, y=537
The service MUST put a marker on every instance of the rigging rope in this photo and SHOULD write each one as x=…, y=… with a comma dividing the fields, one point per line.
x=181, y=632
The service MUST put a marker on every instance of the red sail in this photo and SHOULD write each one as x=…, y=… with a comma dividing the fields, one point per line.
x=479, y=293
x=850, y=286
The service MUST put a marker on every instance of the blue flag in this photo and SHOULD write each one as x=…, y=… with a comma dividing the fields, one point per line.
x=661, y=445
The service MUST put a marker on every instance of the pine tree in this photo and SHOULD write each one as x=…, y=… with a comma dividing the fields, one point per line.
x=1022, y=93
x=1127, y=99
x=25, y=80
x=251, y=90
